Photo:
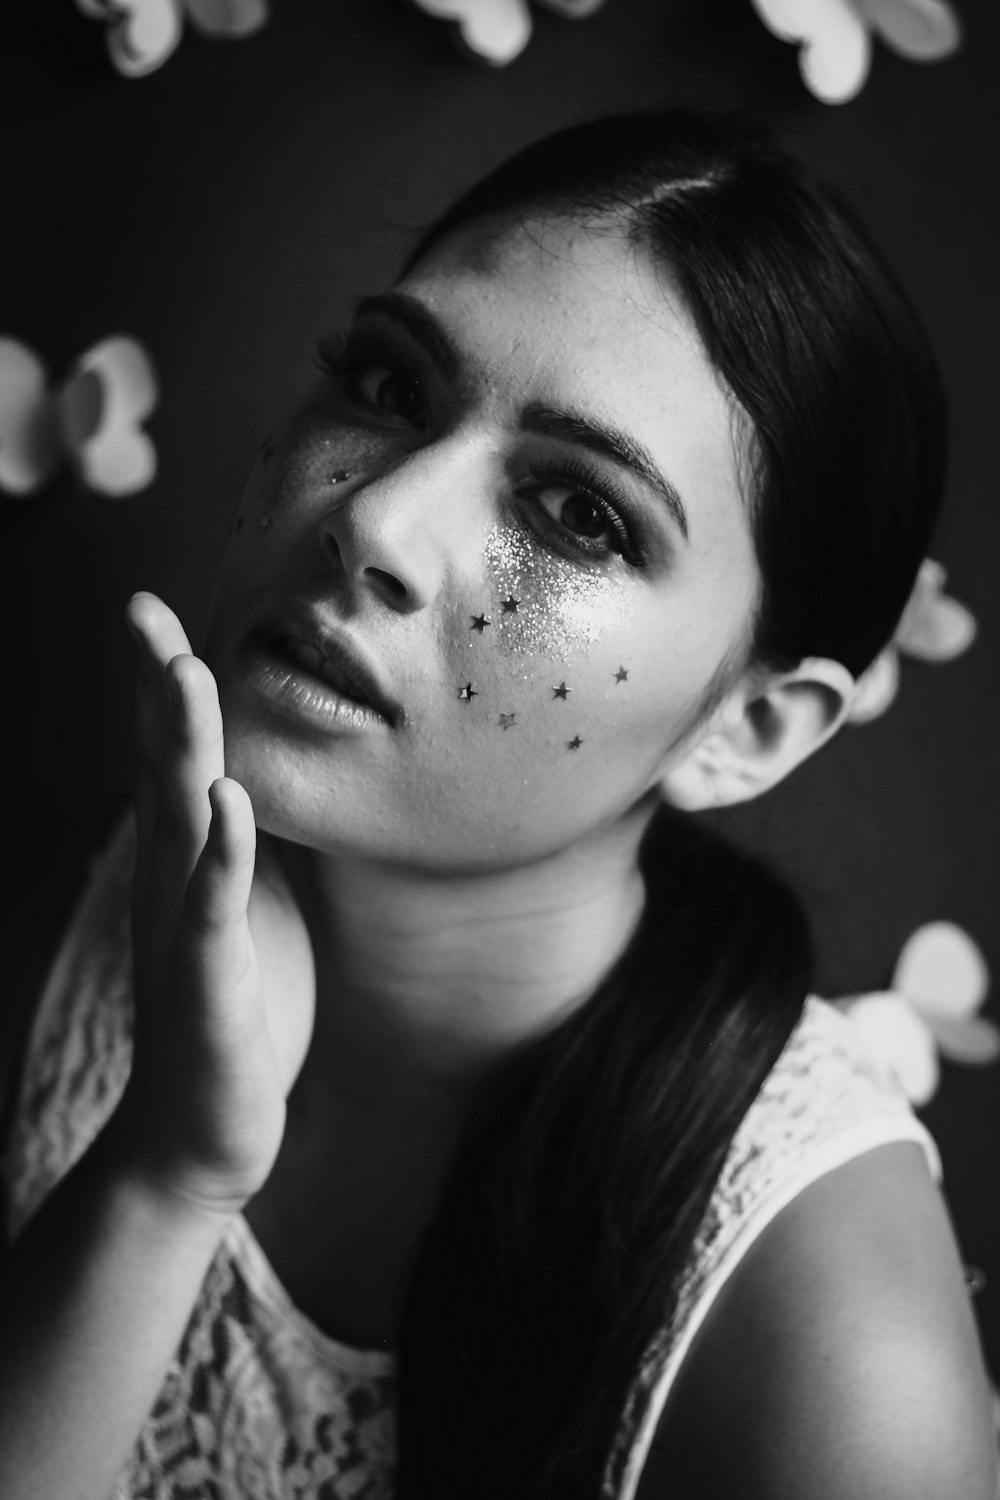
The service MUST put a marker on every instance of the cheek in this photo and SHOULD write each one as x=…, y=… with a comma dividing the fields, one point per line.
x=548, y=663
x=307, y=454
x=545, y=604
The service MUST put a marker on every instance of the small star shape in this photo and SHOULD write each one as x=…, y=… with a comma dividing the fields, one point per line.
x=506, y=721
x=562, y=691
x=621, y=675
x=574, y=743
x=479, y=622
x=265, y=522
x=509, y=606
x=467, y=693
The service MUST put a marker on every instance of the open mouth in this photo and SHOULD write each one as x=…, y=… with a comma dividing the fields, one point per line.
x=334, y=667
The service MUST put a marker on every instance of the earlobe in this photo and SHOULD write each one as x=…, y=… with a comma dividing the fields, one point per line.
x=761, y=732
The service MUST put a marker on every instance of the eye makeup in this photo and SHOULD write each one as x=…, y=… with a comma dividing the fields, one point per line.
x=580, y=482
x=560, y=605
x=350, y=358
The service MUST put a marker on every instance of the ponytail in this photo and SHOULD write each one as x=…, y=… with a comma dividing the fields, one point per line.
x=581, y=1180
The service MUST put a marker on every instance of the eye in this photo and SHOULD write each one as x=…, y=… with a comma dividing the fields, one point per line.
x=371, y=381
x=578, y=512
x=390, y=391
x=573, y=513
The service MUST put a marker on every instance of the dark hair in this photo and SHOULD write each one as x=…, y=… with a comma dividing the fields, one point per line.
x=571, y=1209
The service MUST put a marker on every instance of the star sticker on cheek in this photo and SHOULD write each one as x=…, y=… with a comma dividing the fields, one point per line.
x=621, y=675
x=479, y=622
x=562, y=691
x=509, y=606
x=467, y=693
x=574, y=743
x=506, y=721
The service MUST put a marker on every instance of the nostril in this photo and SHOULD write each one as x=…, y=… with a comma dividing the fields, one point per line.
x=392, y=589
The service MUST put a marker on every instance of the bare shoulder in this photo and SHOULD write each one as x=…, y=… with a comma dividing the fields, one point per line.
x=841, y=1360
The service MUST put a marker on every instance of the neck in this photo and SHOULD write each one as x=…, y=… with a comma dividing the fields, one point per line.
x=425, y=981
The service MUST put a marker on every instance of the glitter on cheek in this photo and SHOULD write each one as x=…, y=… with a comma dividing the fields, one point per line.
x=560, y=605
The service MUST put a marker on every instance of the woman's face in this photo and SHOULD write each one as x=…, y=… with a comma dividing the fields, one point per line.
x=485, y=574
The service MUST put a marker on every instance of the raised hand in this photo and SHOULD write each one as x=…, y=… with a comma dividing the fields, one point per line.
x=204, y=1110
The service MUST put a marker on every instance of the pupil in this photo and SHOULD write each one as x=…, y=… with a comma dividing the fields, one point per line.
x=583, y=516
x=400, y=395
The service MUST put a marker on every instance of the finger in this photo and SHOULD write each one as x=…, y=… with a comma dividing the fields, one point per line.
x=156, y=627
x=192, y=760
x=214, y=929
x=157, y=635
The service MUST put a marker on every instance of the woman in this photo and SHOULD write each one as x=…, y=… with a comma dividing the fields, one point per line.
x=590, y=524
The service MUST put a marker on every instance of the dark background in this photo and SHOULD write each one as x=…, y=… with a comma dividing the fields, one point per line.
x=226, y=209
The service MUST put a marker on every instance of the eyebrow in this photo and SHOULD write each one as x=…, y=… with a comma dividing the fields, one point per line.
x=539, y=417
x=609, y=442
x=418, y=321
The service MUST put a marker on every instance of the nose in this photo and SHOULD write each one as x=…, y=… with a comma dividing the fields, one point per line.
x=396, y=532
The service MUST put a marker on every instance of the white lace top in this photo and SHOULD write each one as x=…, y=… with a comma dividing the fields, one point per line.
x=258, y=1403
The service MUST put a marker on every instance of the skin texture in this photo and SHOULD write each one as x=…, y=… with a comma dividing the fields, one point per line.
x=442, y=518
x=841, y=1360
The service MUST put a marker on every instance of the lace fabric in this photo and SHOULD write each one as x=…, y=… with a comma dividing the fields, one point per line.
x=258, y=1403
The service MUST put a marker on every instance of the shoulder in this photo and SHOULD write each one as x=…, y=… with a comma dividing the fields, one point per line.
x=840, y=1360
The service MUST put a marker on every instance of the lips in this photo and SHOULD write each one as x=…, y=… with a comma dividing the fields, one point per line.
x=325, y=652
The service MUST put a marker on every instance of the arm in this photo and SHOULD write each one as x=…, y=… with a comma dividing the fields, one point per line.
x=841, y=1361
x=96, y=1295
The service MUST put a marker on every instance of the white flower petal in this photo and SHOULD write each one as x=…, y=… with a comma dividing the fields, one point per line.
x=228, y=17
x=835, y=50
x=110, y=391
x=141, y=33
x=496, y=31
x=939, y=631
x=875, y=689
x=574, y=10
x=941, y=971
x=974, y=1040
x=921, y=30
x=897, y=1038
x=29, y=446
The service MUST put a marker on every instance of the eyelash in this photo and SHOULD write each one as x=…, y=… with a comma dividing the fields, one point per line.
x=339, y=357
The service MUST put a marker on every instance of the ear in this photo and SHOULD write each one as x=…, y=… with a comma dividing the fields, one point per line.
x=761, y=731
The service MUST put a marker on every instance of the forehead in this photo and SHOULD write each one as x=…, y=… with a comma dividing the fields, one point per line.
x=571, y=286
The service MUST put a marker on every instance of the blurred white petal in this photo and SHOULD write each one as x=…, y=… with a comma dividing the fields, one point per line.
x=921, y=30
x=141, y=33
x=835, y=51
x=939, y=630
x=574, y=9
x=974, y=1041
x=228, y=17
x=496, y=31
x=875, y=689
x=896, y=1037
x=941, y=970
x=29, y=447
x=111, y=389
